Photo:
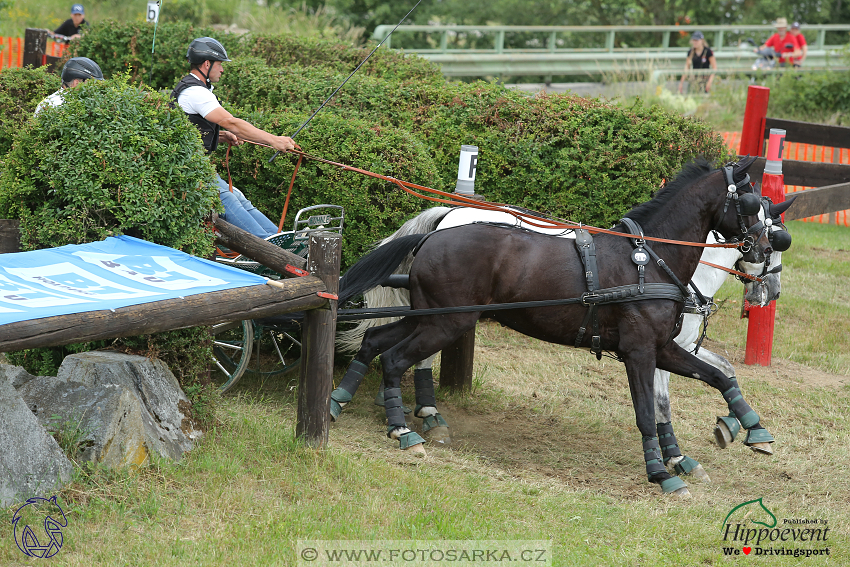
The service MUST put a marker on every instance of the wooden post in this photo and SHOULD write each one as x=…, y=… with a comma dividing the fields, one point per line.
x=456, y=363
x=10, y=236
x=35, y=46
x=317, y=344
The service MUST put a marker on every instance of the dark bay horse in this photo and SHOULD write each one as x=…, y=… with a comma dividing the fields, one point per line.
x=484, y=265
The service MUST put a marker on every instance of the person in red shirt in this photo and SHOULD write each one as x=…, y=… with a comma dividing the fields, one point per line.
x=801, y=43
x=784, y=43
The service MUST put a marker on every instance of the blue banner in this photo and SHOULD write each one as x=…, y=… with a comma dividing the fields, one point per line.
x=116, y=272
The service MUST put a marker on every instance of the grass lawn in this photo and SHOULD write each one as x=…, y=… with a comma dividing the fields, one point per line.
x=545, y=448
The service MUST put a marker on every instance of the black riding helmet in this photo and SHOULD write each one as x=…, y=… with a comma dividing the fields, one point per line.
x=206, y=49
x=81, y=68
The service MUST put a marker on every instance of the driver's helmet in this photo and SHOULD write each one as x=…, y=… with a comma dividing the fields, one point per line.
x=81, y=68
x=206, y=49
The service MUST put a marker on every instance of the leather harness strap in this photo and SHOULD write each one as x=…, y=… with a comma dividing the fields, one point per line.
x=587, y=251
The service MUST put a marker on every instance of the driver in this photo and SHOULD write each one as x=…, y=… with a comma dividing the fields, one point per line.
x=194, y=95
x=75, y=72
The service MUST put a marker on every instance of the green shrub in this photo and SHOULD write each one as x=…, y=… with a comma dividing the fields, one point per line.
x=813, y=97
x=283, y=51
x=20, y=92
x=114, y=158
x=125, y=47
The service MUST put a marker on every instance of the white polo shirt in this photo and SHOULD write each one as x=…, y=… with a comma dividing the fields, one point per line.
x=53, y=100
x=198, y=100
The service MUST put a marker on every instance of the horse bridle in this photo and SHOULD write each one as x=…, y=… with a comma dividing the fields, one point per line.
x=745, y=205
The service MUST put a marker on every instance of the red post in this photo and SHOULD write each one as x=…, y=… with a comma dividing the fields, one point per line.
x=761, y=319
x=752, y=134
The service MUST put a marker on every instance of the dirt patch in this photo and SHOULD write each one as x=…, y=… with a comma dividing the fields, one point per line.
x=780, y=372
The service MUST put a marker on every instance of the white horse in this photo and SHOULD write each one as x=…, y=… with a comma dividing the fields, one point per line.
x=707, y=279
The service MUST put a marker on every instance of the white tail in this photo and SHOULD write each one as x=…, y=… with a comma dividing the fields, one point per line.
x=349, y=340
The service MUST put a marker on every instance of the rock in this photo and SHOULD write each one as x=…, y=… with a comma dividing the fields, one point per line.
x=105, y=420
x=15, y=374
x=168, y=430
x=31, y=462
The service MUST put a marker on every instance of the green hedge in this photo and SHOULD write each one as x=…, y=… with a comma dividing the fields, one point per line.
x=113, y=159
x=20, y=92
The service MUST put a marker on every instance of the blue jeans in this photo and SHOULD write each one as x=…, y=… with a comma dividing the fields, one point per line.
x=239, y=211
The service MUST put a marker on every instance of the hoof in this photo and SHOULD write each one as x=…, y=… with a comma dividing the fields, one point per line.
x=725, y=431
x=417, y=450
x=761, y=448
x=682, y=492
x=699, y=474
x=675, y=485
x=436, y=429
x=440, y=435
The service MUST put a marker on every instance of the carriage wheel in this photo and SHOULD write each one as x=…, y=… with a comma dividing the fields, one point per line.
x=232, y=346
x=287, y=347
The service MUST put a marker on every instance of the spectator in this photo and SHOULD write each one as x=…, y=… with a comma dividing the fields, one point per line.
x=783, y=43
x=72, y=27
x=75, y=72
x=195, y=97
x=700, y=56
x=801, y=43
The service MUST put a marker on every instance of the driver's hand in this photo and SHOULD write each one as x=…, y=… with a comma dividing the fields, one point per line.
x=230, y=138
x=285, y=143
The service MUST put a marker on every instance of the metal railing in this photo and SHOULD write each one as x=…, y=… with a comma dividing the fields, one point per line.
x=564, y=50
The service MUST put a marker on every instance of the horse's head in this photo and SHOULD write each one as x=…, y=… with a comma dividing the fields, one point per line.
x=740, y=216
x=769, y=268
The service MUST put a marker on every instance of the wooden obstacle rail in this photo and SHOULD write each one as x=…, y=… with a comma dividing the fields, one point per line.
x=819, y=180
x=314, y=293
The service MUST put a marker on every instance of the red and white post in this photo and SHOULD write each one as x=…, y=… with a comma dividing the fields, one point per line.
x=761, y=319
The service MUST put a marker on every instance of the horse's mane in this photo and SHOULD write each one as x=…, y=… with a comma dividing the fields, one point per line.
x=692, y=171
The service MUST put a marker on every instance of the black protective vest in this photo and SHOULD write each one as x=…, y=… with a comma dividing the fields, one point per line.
x=209, y=130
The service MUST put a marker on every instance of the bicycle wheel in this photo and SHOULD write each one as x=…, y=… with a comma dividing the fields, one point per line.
x=232, y=346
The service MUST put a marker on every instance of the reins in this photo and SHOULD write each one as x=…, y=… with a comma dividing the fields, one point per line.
x=456, y=199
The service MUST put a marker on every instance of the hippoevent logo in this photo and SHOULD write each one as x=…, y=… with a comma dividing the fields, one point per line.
x=43, y=513
x=750, y=528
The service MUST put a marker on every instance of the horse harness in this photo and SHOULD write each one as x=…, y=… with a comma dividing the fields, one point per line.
x=641, y=256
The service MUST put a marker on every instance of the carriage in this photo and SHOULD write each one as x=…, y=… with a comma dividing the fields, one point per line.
x=235, y=342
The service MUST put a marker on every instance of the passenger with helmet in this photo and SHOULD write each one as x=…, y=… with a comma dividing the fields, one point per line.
x=76, y=71
x=194, y=95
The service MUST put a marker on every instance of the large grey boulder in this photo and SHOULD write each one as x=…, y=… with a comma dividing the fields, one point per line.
x=16, y=375
x=31, y=462
x=168, y=427
x=128, y=406
x=106, y=420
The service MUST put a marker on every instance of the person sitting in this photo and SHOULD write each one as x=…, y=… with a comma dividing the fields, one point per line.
x=73, y=26
x=783, y=43
x=193, y=93
x=74, y=73
x=801, y=43
x=700, y=56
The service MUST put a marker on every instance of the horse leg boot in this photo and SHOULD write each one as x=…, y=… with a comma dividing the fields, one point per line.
x=639, y=367
x=728, y=426
x=397, y=426
x=376, y=341
x=675, y=359
x=673, y=457
x=433, y=425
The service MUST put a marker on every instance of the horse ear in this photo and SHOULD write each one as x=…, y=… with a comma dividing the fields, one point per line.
x=777, y=209
x=743, y=164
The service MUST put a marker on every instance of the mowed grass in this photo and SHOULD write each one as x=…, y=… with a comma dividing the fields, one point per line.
x=544, y=448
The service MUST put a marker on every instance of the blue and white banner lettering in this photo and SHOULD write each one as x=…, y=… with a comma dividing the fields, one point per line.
x=117, y=272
